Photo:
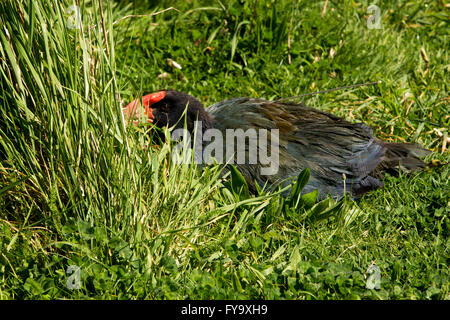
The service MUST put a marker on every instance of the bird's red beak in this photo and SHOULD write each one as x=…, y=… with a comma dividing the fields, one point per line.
x=133, y=110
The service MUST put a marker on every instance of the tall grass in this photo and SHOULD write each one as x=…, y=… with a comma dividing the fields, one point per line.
x=61, y=119
x=65, y=151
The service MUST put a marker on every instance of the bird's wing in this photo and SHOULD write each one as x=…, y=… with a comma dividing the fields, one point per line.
x=308, y=138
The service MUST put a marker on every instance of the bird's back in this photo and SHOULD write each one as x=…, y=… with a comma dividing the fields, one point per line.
x=332, y=148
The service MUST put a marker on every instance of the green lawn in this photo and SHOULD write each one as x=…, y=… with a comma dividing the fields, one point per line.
x=79, y=188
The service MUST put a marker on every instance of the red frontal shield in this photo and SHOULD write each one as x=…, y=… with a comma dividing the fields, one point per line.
x=132, y=110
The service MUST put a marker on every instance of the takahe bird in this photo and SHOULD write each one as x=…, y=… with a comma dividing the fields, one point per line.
x=342, y=156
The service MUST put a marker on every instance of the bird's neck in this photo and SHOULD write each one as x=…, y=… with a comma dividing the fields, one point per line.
x=204, y=122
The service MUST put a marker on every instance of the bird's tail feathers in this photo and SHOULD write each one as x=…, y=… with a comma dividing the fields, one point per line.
x=403, y=156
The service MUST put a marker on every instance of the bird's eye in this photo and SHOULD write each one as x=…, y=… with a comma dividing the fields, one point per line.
x=164, y=107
